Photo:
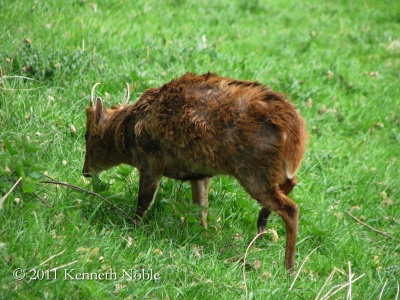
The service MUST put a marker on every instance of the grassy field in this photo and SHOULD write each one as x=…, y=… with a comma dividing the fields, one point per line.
x=338, y=61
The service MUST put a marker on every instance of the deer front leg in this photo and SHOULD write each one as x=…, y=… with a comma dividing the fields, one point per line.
x=148, y=185
x=200, y=196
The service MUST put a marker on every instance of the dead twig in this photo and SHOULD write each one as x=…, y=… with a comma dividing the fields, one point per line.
x=371, y=228
x=89, y=192
x=50, y=206
x=42, y=200
x=230, y=244
x=9, y=192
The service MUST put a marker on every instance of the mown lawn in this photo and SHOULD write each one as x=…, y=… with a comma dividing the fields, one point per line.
x=338, y=61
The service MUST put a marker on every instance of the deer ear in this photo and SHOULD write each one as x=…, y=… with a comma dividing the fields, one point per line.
x=101, y=112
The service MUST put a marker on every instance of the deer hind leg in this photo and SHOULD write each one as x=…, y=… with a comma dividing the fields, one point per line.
x=200, y=196
x=262, y=220
x=288, y=211
x=288, y=185
x=275, y=199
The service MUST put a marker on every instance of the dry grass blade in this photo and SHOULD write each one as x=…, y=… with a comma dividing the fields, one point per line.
x=32, y=89
x=63, y=266
x=329, y=278
x=88, y=192
x=1, y=78
x=383, y=288
x=9, y=192
x=18, y=77
x=47, y=260
x=331, y=293
x=50, y=258
x=244, y=262
x=301, y=266
x=350, y=278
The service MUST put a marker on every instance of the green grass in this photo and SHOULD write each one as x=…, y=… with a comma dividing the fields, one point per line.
x=339, y=62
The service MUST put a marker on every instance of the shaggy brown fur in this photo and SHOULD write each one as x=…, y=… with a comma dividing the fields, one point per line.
x=195, y=127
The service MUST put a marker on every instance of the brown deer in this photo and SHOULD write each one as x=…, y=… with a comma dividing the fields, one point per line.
x=195, y=127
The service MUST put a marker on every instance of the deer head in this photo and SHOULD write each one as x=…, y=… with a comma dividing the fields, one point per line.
x=100, y=154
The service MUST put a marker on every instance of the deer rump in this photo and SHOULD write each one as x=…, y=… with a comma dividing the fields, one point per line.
x=195, y=127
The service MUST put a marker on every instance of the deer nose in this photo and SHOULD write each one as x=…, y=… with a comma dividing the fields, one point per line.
x=86, y=169
x=85, y=172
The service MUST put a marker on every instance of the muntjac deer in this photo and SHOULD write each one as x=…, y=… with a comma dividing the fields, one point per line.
x=195, y=127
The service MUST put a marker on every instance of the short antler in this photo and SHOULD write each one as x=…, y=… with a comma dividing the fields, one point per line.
x=128, y=95
x=92, y=95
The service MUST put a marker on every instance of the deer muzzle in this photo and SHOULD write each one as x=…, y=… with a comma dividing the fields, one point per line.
x=86, y=170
